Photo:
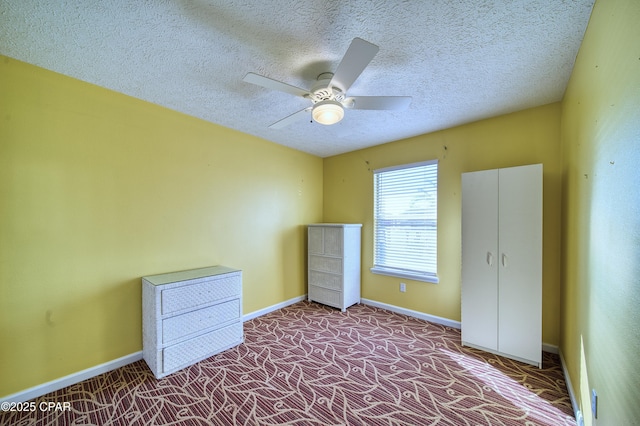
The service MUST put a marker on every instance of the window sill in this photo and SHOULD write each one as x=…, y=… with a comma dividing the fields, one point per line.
x=428, y=278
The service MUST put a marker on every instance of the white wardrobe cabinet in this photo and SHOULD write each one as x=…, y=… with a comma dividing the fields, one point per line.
x=188, y=316
x=502, y=262
x=334, y=264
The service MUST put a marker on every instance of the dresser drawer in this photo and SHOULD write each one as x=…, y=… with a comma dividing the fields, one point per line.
x=323, y=279
x=328, y=297
x=325, y=264
x=194, y=322
x=193, y=295
x=198, y=348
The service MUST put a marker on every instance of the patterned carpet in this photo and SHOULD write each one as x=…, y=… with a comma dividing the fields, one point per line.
x=308, y=364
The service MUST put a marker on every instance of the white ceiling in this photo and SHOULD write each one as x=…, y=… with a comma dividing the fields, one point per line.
x=461, y=60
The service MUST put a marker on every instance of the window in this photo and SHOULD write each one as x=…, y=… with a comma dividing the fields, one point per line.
x=405, y=221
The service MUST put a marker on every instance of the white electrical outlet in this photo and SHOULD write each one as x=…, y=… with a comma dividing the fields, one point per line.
x=403, y=287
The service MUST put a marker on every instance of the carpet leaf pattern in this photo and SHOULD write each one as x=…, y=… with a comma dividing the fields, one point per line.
x=309, y=364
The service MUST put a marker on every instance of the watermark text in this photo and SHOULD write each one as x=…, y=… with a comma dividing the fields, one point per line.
x=33, y=406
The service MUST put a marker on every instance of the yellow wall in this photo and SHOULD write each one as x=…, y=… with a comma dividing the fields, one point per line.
x=526, y=137
x=601, y=216
x=98, y=189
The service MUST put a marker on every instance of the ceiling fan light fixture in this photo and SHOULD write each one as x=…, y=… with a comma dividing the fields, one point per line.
x=327, y=112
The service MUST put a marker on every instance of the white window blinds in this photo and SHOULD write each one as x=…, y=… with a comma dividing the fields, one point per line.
x=406, y=221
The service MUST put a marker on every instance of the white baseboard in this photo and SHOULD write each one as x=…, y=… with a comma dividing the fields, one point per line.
x=572, y=396
x=546, y=347
x=268, y=309
x=416, y=314
x=88, y=373
x=74, y=378
x=71, y=379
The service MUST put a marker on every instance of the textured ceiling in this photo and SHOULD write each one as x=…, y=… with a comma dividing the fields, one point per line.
x=461, y=60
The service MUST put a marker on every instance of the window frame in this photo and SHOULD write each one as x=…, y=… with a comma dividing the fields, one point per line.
x=422, y=274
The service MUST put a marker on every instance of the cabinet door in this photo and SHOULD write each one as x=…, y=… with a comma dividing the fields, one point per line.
x=520, y=270
x=333, y=241
x=325, y=240
x=316, y=240
x=480, y=258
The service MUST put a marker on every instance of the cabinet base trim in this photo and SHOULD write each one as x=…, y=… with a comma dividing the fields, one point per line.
x=537, y=363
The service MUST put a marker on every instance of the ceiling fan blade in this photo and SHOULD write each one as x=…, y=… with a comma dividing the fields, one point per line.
x=269, y=83
x=296, y=116
x=358, y=56
x=378, y=102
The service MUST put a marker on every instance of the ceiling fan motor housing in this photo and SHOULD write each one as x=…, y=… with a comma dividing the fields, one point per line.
x=322, y=91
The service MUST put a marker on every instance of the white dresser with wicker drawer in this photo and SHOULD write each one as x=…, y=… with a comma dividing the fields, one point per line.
x=334, y=264
x=188, y=316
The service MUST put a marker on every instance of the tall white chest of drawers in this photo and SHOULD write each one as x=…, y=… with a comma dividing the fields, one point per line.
x=334, y=264
x=188, y=316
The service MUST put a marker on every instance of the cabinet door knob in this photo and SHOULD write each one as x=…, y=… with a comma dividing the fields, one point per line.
x=489, y=258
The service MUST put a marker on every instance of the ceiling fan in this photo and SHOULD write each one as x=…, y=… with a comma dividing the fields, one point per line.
x=329, y=93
